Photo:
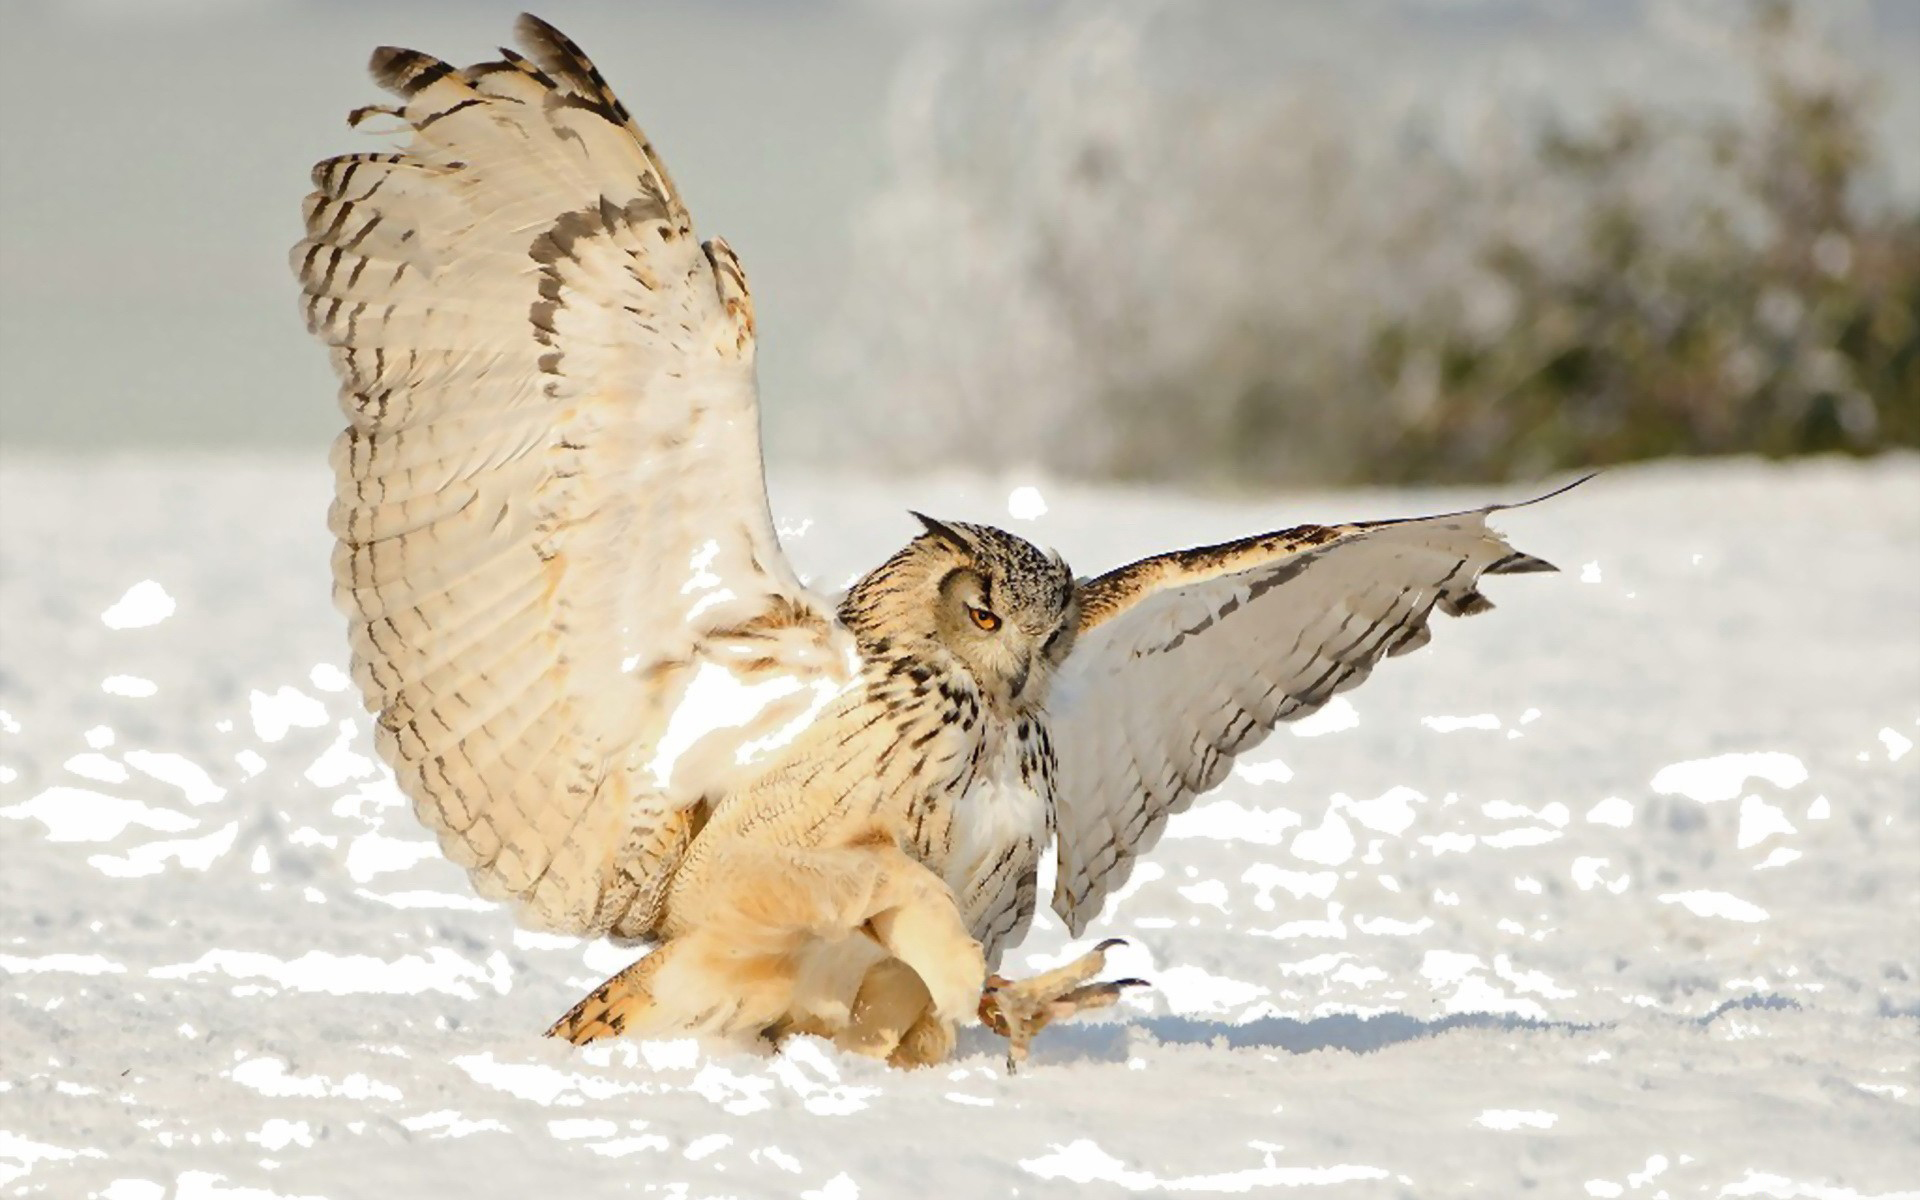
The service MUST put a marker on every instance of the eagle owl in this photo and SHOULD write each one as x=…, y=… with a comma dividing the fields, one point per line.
x=609, y=695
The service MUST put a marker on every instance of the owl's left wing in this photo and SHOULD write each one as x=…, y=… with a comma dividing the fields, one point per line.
x=1187, y=659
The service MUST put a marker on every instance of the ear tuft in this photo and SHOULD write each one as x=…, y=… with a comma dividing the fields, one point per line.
x=943, y=531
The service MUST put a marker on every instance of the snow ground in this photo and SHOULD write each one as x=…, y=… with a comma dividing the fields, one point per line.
x=1613, y=892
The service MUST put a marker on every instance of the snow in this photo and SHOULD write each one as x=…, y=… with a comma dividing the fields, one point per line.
x=1025, y=503
x=1613, y=892
x=146, y=603
x=1723, y=777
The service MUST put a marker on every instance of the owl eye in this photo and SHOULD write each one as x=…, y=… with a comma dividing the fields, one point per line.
x=983, y=618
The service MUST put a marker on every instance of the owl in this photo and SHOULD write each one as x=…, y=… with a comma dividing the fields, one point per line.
x=609, y=695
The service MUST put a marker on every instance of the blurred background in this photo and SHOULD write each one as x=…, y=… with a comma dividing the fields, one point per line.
x=1223, y=244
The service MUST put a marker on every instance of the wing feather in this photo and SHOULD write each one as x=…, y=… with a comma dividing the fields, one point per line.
x=1185, y=660
x=550, y=508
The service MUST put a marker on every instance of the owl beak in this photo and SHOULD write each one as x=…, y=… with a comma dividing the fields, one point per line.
x=1036, y=663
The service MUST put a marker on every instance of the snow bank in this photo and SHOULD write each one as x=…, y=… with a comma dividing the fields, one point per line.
x=1613, y=892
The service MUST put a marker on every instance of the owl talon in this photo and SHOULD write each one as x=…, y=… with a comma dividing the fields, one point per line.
x=1019, y=1011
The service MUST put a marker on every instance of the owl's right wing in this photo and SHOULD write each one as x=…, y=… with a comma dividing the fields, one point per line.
x=1185, y=660
x=565, y=591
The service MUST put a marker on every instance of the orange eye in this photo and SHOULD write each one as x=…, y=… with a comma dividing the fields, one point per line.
x=983, y=618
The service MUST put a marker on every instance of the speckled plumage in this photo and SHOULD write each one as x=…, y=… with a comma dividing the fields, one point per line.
x=606, y=691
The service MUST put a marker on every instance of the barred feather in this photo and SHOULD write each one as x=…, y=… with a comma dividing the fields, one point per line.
x=552, y=430
x=1185, y=660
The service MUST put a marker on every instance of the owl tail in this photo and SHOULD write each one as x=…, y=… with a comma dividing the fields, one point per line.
x=690, y=985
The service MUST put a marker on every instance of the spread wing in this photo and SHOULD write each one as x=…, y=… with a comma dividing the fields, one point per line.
x=1185, y=660
x=554, y=545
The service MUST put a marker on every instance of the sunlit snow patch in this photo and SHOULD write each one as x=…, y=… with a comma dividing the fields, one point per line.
x=195, y=854
x=278, y=1133
x=441, y=970
x=270, y=1077
x=1553, y=813
x=78, y=815
x=1897, y=746
x=1331, y=926
x=1391, y=812
x=1760, y=821
x=1266, y=878
x=1026, y=504
x=65, y=964
x=190, y=777
x=289, y=708
x=1455, y=724
x=211, y=1185
x=424, y=898
x=840, y=1187
x=1330, y=843
x=329, y=678
x=18, y=1154
x=97, y=767
x=1271, y=771
x=530, y=939
x=340, y=763
x=1587, y=875
x=1612, y=811
x=735, y=1095
x=1338, y=714
x=1187, y=987
x=1083, y=1161
x=131, y=686
x=146, y=603
x=374, y=854
x=1716, y=904
x=369, y=799
x=1724, y=777
x=1472, y=991
x=542, y=1084
x=1226, y=821
x=807, y=1068
x=1520, y=835
x=1515, y=1118
x=1779, y=1187
x=1210, y=892
x=446, y=1123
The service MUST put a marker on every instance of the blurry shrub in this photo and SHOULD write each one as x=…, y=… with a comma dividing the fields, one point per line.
x=1111, y=279
x=1767, y=313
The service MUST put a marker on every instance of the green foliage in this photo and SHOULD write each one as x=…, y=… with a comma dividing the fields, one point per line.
x=1090, y=261
x=1768, y=309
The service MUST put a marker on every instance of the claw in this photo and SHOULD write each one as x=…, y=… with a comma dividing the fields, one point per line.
x=1018, y=1011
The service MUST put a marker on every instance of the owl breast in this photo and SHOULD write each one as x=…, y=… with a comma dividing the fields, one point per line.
x=999, y=823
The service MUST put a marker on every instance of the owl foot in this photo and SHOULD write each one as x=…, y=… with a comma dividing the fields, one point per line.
x=1018, y=1011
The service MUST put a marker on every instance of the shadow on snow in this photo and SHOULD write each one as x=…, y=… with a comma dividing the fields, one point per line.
x=1120, y=1040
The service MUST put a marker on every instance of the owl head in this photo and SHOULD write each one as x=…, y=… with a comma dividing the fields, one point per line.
x=997, y=605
